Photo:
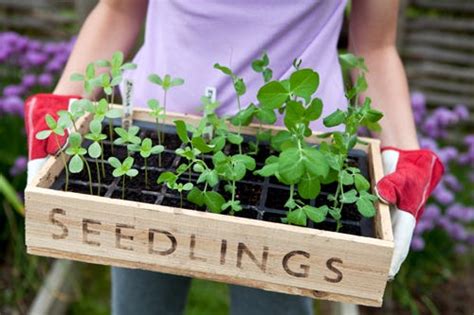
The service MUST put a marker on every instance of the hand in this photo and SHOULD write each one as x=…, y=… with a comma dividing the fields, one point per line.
x=410, y=177
x=36, y=108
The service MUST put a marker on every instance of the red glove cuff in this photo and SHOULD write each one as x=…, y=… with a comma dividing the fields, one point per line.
x=36, y=108
x=416, y=175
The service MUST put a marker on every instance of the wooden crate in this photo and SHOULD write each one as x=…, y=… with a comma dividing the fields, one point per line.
x=266, y=255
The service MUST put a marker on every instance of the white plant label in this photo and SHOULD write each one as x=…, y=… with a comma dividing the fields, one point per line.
x=127, y=105
x=211, y=93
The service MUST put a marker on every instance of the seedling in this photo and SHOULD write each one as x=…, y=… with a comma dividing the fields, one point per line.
x=68, y=117
x=89, y=79
x=127, y=137
x=166, y=83
x=146, y=149
x=56, y=128
x=158, y=113
x=232, y=169
x=96, y=148
x=123, y=169
x=109, y=80
x=240, y=89
x=77, y=161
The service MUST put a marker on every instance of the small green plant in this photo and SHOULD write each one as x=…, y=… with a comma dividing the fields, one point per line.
x=56, y=128
x=127, y=137
x=240, y=89
x=207, y=147
x=96, y=148
x=146, y=149
x=123, y=169
x=77, y=161
x=166, y=83
x=232, y=169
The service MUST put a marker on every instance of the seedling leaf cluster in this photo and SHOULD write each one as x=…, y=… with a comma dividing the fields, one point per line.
x=215, y=155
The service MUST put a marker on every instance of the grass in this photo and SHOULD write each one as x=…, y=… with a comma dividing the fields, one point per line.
x=93, y=294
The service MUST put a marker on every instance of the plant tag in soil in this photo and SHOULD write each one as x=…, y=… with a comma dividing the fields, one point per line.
x=127, y=105
x=211, y=93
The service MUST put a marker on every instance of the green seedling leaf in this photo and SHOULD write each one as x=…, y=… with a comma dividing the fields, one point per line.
x=248, y=161
x=214, y=201
x=272, y=95
x=167, y=177
x=94, y=150
x=76, y=165
x=114, y=162
x=182, y=131
x=304, y=83
x=235, y=138
x=196, y=196
x=309, y=186
x=365, y=207
x=314, y=109
x=334, y=119
x=361, y=183
x=201, y=145
x=316, y=215
x=349, y=196
x=132, y=173
x=43, y=134
x=297, y=217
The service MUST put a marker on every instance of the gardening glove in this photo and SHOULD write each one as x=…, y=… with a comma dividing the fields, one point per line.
x=410, y=177
x=36, y=108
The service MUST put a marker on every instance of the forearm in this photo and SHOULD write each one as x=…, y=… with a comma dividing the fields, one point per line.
x=109, y=27
x=388, y=90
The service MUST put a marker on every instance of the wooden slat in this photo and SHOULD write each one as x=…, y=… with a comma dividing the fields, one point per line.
x=437, y=69
x=440, y=24
x=432, y=38
x=455, y=88
x=439, y=55
x=460, y=6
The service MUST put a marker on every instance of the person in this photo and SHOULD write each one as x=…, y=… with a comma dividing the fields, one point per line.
x=185, y=38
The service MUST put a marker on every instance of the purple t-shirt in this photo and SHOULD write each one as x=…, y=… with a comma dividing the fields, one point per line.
x=185, y=38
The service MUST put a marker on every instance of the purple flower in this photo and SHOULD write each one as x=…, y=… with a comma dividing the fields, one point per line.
x=469, y=140
x=452, y=182
x=418, y=102
x=428, y=143
x=432, y=212
x=457, y=231
x=12, y=105
x=28, y=81
x=417, y=243
x=13, y=90
x=445, y=116
x=35, y=58
x=19, y=166
x=423, y=226
x=443, y=195
x=462, y=112
x=45, y=79
x=54, y=66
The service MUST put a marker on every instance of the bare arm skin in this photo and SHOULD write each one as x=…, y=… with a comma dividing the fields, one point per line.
x=372, y=35
x=112, y=25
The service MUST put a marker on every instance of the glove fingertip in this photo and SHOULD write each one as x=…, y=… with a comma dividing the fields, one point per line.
x=386, y=191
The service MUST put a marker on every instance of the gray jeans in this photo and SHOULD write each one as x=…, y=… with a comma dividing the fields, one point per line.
x=146, y=293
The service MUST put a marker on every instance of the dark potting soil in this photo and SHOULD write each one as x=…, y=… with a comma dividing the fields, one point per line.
x=167, y=159
x=261, y=198
x=84, y=177
x=247, y=194
x=139, y=182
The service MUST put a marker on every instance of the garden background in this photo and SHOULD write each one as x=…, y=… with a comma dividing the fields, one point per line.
x=436, y=41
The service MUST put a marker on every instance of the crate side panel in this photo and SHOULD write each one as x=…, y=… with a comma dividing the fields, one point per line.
x=201, y=243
